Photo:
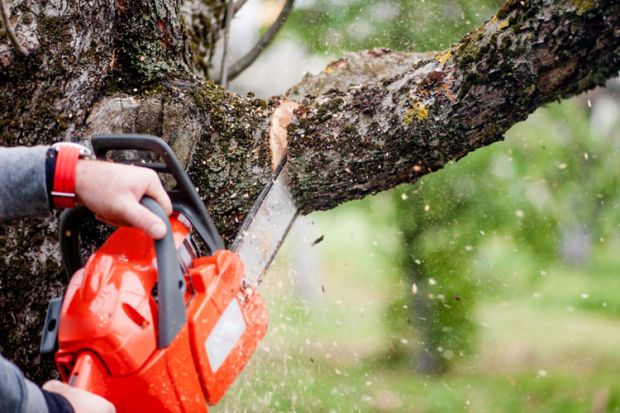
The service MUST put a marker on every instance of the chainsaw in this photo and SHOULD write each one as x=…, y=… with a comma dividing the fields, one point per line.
x=166, y=325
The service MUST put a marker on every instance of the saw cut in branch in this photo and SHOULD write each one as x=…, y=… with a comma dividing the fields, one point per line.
x=240, y=65
x=10, y=33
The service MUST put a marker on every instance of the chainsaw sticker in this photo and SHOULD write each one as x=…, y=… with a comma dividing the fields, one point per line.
x=227, y=331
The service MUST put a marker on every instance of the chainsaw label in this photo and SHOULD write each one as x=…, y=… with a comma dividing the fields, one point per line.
x=227, y=331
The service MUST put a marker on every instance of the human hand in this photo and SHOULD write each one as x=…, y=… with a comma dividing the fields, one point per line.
x=81, y=400
x=113, y=192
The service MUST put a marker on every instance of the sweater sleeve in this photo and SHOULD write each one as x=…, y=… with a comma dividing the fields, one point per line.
x=23, y=191
x=17, y=394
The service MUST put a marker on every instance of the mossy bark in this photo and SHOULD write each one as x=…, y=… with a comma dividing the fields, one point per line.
x=371, y=121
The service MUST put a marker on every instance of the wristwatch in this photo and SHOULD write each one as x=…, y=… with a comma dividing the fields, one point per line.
x=60, y=167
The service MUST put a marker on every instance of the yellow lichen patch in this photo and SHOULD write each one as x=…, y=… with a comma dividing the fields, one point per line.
x=417, y=111
x=503, y=24
x=328, y=69
x=583, y=6
x=444, y=56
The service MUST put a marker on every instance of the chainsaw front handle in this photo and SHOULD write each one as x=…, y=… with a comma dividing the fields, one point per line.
x=170, y=281
x=184, y=197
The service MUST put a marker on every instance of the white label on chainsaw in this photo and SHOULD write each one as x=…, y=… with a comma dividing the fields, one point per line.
x=227, y=331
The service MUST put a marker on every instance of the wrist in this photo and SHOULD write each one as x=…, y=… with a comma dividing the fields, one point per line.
x=83, y=177
x=61, y=166
x=57, y=403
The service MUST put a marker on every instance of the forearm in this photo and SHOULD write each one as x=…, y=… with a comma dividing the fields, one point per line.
x=17, y=394
x=22, y=182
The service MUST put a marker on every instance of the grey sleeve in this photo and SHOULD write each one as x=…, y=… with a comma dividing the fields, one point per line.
x=17, y=394
x=23, y=191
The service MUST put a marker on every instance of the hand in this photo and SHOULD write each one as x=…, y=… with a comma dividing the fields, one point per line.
x=81, y=400
x=113, y=192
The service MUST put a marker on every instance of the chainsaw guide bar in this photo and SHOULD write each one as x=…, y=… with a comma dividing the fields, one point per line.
x=266, y=226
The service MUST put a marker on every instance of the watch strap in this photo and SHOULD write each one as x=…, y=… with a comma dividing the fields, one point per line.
x=63, y=188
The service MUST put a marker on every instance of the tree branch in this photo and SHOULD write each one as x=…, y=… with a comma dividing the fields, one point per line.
x=243, y=63
x=357, y=69
x=8, y=29
x=239, y=5
x=224, y=78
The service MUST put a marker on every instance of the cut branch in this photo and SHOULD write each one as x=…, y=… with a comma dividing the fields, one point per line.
x=243, y=63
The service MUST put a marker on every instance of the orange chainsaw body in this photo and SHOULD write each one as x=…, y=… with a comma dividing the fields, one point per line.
x=107, y=333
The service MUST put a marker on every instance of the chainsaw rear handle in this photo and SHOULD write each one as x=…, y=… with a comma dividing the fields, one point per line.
x=89, y=373
x=184, y=197
x=170, y=282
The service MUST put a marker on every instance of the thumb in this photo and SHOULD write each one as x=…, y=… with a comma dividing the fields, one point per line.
x=136, y=215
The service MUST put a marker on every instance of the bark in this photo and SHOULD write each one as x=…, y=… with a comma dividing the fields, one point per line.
x=372, y=120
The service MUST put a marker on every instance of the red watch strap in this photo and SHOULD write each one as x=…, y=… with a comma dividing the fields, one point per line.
x=63, y=193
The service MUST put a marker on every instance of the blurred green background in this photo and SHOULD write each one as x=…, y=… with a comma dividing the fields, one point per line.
x=490, y=286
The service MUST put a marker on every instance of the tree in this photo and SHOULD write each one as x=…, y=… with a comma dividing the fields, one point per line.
x=370, y=121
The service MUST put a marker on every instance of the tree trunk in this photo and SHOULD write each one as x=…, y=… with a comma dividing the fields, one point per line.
x=370, y=121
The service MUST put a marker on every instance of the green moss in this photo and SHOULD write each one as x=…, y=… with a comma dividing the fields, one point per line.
x=327, y=109
x=231, y=162
x=27, y=18
x=350, y=131
x=208, y=94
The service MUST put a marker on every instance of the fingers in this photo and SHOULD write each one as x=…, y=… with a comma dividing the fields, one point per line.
x=54, y=386
x=136, y=215
x=109, y=221
x=113, y=192
x=81, y=400
x=156, y=191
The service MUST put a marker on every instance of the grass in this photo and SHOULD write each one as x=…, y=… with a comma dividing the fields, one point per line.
x=549, y=345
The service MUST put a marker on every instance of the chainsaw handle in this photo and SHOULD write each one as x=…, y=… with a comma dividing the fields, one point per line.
x=89, y=373
x=184, y=197
x=170, y=282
